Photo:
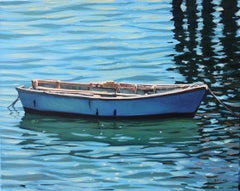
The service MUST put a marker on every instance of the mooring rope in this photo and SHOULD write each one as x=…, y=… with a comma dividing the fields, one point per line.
x=13, y=103
x=224, y=105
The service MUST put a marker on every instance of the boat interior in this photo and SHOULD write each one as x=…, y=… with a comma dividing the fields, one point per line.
x=107, y=88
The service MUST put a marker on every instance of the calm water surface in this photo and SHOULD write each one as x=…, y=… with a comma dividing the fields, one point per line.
x=131, y=41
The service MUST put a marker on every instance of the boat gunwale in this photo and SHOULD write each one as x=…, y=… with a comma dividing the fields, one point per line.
x=114, y=96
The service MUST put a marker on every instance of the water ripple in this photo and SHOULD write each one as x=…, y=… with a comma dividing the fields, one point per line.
x=149, y=41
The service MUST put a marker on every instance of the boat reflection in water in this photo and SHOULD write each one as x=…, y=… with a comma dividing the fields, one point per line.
x=113, y=132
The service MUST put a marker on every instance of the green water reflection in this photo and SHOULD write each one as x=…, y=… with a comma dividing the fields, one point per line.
x=129, y=132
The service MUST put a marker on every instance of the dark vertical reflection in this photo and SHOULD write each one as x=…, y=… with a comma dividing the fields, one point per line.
x=230, y=41
x=186, y=35
x=207, y=33
x=207, y=48
x=199, y=47
x=179, y=35
x=231, y=50
x=192, y=25
x=191, y=14
x=206, y=42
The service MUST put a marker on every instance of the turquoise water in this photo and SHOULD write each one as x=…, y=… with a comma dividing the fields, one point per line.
x=130, y=41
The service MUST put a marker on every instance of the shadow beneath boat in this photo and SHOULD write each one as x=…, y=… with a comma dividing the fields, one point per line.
x=113, y=132
x=96, y=117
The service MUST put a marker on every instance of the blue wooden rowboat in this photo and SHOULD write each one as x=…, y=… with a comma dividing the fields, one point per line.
x=111, y=99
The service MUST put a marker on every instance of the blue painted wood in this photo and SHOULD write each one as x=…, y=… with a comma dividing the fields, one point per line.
x=183, y=102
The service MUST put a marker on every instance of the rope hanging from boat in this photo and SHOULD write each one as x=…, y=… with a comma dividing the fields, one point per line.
x=224, y=105
x=13, y=103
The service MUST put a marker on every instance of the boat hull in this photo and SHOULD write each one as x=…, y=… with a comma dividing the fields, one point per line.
x=177, y=104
